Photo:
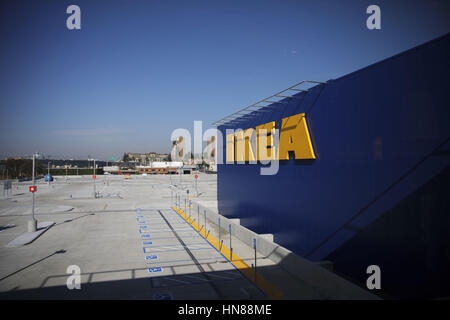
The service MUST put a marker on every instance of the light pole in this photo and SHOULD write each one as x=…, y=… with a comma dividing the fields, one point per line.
x=48, y=173
x=93, y=177
x=32, y=224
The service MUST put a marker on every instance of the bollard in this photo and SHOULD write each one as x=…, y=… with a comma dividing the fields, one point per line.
x=231, y=248
x=32, y=225
x=254, y=247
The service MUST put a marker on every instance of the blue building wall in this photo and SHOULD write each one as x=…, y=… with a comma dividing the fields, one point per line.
x=379, y=134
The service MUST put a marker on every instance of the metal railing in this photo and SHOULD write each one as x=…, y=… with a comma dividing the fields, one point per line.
x=255, y=108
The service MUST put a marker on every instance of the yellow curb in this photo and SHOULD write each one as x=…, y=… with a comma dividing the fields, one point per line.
x=267, y=287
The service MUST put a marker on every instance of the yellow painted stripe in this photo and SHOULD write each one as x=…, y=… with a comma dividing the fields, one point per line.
x=267, y=287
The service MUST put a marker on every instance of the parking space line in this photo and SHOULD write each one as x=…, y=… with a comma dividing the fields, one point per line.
x=177, y=245
x=163, y=230
x=266, y=287
x=160, y=250
x=188, y=279
x=184, y=236
x=182, y=260
x=188, y=251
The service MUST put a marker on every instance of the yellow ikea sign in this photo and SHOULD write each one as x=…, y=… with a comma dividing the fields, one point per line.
x=294, y=137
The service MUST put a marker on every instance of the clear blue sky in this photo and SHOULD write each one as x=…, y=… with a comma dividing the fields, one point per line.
x=139, y=69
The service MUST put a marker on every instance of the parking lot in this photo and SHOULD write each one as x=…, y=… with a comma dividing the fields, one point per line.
x=128, y=242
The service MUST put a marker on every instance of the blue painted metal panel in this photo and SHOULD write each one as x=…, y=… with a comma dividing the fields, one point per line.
x=375, y=133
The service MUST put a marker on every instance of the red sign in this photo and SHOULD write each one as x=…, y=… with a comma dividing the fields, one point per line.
x=33, y=188
x=93, y=177
x=196, y=176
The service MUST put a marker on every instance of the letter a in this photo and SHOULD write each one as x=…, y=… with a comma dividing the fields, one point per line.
x=74, y=20
x=374, y=281
x=374, y=20
x=73, y=281
x=295, y=137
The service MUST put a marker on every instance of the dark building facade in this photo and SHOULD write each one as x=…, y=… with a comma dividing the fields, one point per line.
x=376, y=192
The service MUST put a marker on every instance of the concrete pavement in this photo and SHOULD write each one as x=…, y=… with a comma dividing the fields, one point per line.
x=130, y=244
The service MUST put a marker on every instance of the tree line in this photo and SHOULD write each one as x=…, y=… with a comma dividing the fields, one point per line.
x=20, y=168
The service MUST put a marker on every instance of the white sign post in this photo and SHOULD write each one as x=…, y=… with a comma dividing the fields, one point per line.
x=32, y=224
x=196, y=185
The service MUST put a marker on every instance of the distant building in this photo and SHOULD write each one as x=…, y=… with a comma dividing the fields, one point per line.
x=210, y=156
x=145, y=158
x=160, y=167
x=179, y=150
x=111, y=169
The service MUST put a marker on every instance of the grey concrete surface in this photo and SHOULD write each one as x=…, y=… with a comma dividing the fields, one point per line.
x=107, y=239
x=295, y=276
x=130, y=244
x=29, y=237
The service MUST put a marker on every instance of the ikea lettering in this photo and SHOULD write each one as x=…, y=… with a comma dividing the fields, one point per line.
x=262, y=143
